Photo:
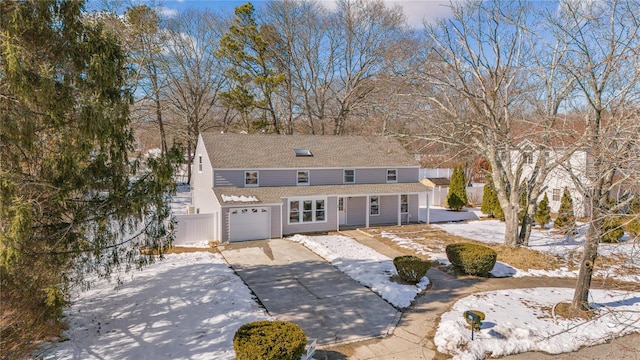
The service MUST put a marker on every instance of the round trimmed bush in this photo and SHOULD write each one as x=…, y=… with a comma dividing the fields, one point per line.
x=472, y=259
x=411, y=268
x=269, y=340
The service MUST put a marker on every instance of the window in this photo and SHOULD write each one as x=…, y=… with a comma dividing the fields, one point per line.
x=349, y=176
x=404, y=203
x=303, y=177
x=374, y=206
x=251, y=178
x=556, y=195
x=199, y=163
x=392, y=175
x=341, y=204
x=528, y=158
x=307, y=211
x=294, y=211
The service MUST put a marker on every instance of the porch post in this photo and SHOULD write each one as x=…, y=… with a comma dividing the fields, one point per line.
x=367, y=208
x=338, y=212
x=399, y=210
x=428, y=208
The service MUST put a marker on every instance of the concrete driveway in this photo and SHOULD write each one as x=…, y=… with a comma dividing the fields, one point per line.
x=294, y=284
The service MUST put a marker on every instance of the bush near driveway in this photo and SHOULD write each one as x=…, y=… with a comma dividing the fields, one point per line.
x=472, y=259
x=269, y=340
x=411, y=268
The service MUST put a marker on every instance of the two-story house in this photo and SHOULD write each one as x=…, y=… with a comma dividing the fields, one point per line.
x=266, y=186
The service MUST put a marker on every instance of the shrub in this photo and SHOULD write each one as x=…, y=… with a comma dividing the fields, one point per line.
x=472, y=259
x=566, y=220
x=612, y=229
x=269, y=340
x=542, y=216
x=457, y=196
x=411, y=268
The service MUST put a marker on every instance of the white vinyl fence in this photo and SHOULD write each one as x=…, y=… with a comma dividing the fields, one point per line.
x=196, y=228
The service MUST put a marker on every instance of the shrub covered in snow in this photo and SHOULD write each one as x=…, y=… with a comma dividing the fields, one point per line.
x=411, y=268
x=472, y=259
x=269, y=340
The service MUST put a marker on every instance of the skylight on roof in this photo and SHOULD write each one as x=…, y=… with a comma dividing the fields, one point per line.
x=302, y=152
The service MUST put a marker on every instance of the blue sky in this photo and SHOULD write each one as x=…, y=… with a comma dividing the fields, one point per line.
x=415, y=10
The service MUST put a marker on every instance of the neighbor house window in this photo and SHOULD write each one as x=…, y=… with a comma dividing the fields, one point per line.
x=556, y=195
x=392, y=175
x=306, y=211
x=528, y=158
x=251, y=178
x=404, y=203
x=199, y=163
x=303, y=177
x=374, y=205
x=349, y=176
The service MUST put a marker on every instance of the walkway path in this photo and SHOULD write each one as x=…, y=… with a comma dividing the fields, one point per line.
x=413, y=336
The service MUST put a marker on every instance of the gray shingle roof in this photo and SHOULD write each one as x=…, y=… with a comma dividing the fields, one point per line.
x=274, y=195
x=240, y=151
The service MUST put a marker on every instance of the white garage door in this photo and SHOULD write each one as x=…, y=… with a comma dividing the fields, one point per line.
x=251, y=223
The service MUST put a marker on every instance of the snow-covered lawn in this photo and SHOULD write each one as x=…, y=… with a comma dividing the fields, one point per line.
x=187, y=306
x=627, y=252
x=522, y=320
x=626, y=266
x=364, y=265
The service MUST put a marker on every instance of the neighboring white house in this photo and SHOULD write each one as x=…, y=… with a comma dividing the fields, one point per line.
x=579, y=164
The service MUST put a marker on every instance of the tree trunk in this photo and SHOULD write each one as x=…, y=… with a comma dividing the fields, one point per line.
x=510, y=227
x=581, y=295
x=527, y=221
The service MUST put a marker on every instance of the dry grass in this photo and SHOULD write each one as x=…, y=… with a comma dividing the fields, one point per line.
x=436, y=240
x=565, y=311
x=184, y=249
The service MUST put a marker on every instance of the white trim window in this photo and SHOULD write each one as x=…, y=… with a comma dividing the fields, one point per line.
x=302, y=177
x=199, y=163
x=555, y=195
x=310, y=210
x=392, y=175
x=404, y=204
x=374, y=206
x=251, y=178
x=349, y=176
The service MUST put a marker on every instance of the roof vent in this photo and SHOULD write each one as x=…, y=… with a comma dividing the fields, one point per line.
x=302, y=152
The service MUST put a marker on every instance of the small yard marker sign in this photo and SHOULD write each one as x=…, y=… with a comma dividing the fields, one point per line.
x=474, y=318
x=311, y=350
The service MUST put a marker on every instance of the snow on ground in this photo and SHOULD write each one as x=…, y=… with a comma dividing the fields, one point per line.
x=187, y=306
x=180, y=200
x=521, y=320
x=364, y=265
x=492, y=231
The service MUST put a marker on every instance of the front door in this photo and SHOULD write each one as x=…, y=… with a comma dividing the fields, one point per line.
x=342, y=211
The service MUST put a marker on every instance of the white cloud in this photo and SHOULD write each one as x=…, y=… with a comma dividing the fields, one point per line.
x=166, y=12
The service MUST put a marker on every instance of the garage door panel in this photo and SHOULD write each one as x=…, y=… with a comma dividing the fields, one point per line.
x=250, y=223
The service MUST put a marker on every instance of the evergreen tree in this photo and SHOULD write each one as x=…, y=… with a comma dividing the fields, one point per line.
x=253, y=75
x=488, y=198
x=566, y=220
x=522, y=201
x=543, y=216
x=498, y=212
x=71, y=200
x=633, y=227
x=457, y=196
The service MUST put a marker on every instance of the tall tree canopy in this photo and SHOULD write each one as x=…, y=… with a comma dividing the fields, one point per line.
x=71, y=200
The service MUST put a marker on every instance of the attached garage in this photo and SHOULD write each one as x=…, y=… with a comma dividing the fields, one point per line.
x=249, y=223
